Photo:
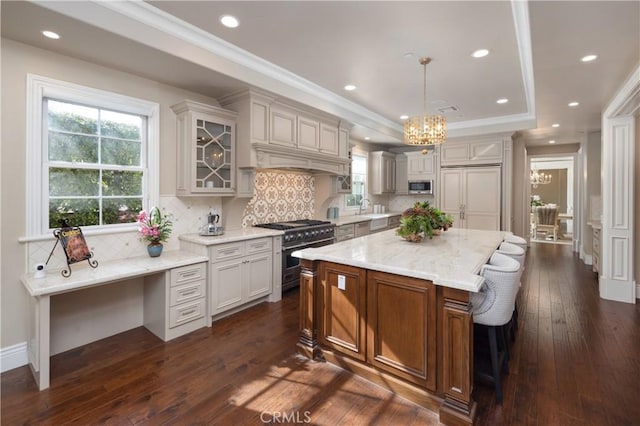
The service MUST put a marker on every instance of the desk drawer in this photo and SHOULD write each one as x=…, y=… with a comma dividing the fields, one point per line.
x=187, y=274
x=184, y=293
x=187, y=312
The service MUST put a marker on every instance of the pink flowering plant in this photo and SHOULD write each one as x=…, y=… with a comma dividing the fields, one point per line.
x=154, y=227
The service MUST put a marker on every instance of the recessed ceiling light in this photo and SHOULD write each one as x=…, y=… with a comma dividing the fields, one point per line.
x=404, y=117
x=589, y=58
x=573, y=104
x=555, y=125
x=552, y=141
x=480, y=53
x=50, y=34
x=349, y=87
x=229, y=21
x=367, y=138
x=502, y=101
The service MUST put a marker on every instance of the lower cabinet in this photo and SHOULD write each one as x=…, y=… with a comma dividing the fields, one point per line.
x=239, y=273
x=175, y=303
x=362, y=228
x=385, y=320
x=345, y=232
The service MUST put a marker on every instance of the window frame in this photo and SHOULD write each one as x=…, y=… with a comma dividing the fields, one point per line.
x=38, y=89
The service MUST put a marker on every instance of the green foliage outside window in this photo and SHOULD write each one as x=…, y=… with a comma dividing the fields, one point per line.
x=95, y=157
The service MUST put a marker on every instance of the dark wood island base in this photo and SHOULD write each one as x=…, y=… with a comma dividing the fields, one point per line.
x=405, y=334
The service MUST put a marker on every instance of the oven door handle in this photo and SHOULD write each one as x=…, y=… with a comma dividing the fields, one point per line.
x=306, y=245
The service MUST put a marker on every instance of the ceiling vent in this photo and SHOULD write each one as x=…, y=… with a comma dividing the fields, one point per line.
x=448, y=109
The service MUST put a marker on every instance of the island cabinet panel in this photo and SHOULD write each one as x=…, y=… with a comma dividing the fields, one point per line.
x=401, y=318
x=343, y=309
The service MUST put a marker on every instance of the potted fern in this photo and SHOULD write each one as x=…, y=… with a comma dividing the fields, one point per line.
x=423, y=220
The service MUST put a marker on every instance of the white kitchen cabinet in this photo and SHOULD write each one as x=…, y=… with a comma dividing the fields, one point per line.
x=402, y=180
x=471, y=152
x=240, y=273
x=329, y=139
x=362, y=228
x=283, y=125
x=394, y=222
x=345, y=232
x=382, y=166
x=344, y=147
x=472, y=196
x=205, y=149
x=421, y=166
x=177, y=308
x=308, y=133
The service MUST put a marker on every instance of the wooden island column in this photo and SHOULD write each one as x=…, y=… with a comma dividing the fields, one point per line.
x=308, y=342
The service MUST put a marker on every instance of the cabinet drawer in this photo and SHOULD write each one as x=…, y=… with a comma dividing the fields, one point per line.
x=344, y=232
x=186, y=292
x=187, y=274
x=227, y=251
x=185, y=313
x=259, y=245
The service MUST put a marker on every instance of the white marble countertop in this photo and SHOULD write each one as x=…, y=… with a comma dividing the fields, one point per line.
x=248, y=233
x=83, y=276
x=365, y=217
x=452, y=259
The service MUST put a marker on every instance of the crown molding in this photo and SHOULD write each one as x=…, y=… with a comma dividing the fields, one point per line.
x=143, y=23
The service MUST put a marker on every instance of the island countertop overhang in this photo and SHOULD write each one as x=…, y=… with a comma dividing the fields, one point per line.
x=452, y=259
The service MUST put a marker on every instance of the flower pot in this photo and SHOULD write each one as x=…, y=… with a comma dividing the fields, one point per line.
x=154, y=249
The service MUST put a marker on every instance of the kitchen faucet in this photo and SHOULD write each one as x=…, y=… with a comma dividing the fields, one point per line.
x=362, y=202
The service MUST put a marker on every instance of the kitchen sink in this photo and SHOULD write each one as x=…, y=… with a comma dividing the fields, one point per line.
x=378, y=222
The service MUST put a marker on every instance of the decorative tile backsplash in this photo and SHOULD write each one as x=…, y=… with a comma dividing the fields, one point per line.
x=280, y=196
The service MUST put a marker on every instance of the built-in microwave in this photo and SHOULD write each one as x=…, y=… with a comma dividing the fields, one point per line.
x=421, y=187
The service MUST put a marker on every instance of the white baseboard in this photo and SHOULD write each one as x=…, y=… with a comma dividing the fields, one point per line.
x=13, y=357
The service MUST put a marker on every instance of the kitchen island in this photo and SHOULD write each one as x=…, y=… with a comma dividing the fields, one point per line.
x=398, y=313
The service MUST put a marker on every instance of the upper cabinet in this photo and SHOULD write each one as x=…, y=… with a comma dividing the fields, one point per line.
x=382, y=167
x=421, y=166
x=205, y=149
x=471, y=152
x=275, y=133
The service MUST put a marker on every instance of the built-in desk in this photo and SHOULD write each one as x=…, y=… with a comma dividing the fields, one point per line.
x=174, y=298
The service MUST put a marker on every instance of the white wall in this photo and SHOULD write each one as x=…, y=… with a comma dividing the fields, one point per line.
x=17, y=61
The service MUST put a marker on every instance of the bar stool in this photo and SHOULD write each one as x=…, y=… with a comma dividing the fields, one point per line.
x=492, y=308
x=516, y=240
x=517, y=253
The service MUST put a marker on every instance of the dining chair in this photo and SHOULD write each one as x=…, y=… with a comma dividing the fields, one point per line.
x=545, y=220
x=492, y=309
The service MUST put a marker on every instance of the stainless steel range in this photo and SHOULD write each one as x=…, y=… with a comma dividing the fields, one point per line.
x=300, y=234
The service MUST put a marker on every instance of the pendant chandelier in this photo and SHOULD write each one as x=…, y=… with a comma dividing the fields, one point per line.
x=538, y=178
x=425, y=129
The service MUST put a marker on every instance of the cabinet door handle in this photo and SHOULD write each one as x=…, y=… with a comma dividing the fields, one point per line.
x=189, y=293
x=189, y=273
x=189, y=312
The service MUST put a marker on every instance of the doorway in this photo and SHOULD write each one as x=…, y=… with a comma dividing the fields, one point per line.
x=552, y=199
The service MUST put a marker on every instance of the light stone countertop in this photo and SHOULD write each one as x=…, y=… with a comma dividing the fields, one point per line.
x=365, y=217
x=83, y=276
x=248, y=233
x=452, y=259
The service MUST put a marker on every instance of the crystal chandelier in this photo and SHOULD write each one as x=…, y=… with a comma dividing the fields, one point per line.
x=425, y=129
x=538, y=178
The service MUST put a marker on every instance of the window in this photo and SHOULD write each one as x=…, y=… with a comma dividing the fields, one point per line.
x=358, y=181
x=92, y=157
x=94, y=164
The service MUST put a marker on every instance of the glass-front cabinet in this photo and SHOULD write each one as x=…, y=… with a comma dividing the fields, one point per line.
x=205, y=149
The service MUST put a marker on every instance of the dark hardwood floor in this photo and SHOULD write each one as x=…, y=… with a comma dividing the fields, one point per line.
x=576, y=360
